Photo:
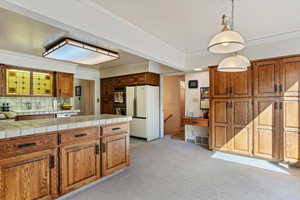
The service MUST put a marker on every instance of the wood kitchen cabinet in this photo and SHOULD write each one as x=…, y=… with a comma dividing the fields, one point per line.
x=267, y=137
x=114, y=147
x=233, y=84
x=290, y=128
x=2, y=84
x=266, y=76
x=232, y=125
x=115, y=151
x=80, y=164
x=290, y=72
x=64, y=84
x=219, y=83
x=220, y=124
x=241, y=126
x=30, y=176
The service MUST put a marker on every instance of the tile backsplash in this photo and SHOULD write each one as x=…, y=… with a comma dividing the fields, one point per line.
x=36, y=103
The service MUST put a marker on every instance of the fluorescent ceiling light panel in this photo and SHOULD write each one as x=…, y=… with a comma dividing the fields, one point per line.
x=77, y=52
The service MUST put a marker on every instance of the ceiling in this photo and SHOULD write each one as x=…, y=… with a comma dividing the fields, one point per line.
x=25, y=35
x=189, y=25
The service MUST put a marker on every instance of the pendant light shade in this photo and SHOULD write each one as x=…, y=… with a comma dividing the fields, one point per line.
x=226, y=42
x=235, y=63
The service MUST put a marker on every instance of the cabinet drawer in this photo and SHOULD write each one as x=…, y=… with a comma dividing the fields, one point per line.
x=78, y=134
x=27, y=144
x=196, y=122
x=113, y=129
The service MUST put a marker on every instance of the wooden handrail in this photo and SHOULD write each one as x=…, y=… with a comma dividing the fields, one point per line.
x=167, y=118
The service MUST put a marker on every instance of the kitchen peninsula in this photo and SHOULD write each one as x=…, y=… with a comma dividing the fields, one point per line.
x=47, y=158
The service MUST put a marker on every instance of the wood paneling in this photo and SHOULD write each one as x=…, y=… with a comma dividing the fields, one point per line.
x=266, y=128
x=115, y=153
x=80, y=165
x=290, y=71
x=30, y=176
x=266, y=78
x=64, y=84
x=31, y=117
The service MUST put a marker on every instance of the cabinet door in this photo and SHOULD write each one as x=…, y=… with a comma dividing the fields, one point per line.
x=64, y=83
x=291, y=129
x=29, y=176
x=107, y=105
x=1, y=80
x=219, y=83
x=290, y=76
x=241, y=127
x=241, y=83
x=106, y=88
x=266, y=78
x=266, y=128
x=220, y=124
x=80, y=165
x=114, y=153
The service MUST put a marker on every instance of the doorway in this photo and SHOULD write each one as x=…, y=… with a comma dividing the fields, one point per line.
x=174, y=106
x=84, y=96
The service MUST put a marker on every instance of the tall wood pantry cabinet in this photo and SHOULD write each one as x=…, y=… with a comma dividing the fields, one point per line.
x=257, y=112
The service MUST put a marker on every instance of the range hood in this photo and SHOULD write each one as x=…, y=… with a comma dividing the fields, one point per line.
x=78, y=52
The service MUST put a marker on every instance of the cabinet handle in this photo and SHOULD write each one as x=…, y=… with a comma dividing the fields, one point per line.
x=103, y=148
x=275, y=106
x=275, y=87
x=97, y=149
x=114, y=129
x=81, y=135
x=280, y=88
x=52, y=162
x=20, y=146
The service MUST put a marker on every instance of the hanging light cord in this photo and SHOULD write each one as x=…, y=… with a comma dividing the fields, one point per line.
x=232, y=15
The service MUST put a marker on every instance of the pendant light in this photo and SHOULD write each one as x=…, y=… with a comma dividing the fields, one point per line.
x=227, y=41
x=234, y=63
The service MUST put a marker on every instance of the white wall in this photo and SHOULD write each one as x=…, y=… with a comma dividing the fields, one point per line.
x=192, y=102
x=124, y=70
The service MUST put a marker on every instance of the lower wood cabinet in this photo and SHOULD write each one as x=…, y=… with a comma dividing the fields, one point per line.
x=232, y=125
x=290, y=129
x=29, y=176
x=267, y=135
x=115, y=151
x=80, y=165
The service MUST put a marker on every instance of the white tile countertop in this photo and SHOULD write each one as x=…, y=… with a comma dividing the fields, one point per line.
x=9, y=129
x=38, y=112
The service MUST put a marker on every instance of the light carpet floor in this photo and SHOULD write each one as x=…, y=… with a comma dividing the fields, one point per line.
x=173, y=170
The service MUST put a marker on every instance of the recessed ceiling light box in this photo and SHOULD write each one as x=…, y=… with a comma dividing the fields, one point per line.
x=79, y=52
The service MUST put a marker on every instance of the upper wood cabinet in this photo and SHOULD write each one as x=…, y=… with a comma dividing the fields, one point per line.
x=115, y=151
x=64, y=84
x=267, y=128
x=80, y=164
x=290, y=80
x=2, y=84
x=30, y=176
x=42, y=84
x=266, y=76
x=219, y=83
x=230, y=84
x=106, y=88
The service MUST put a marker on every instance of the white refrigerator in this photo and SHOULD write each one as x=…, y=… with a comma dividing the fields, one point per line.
x=142, y=103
